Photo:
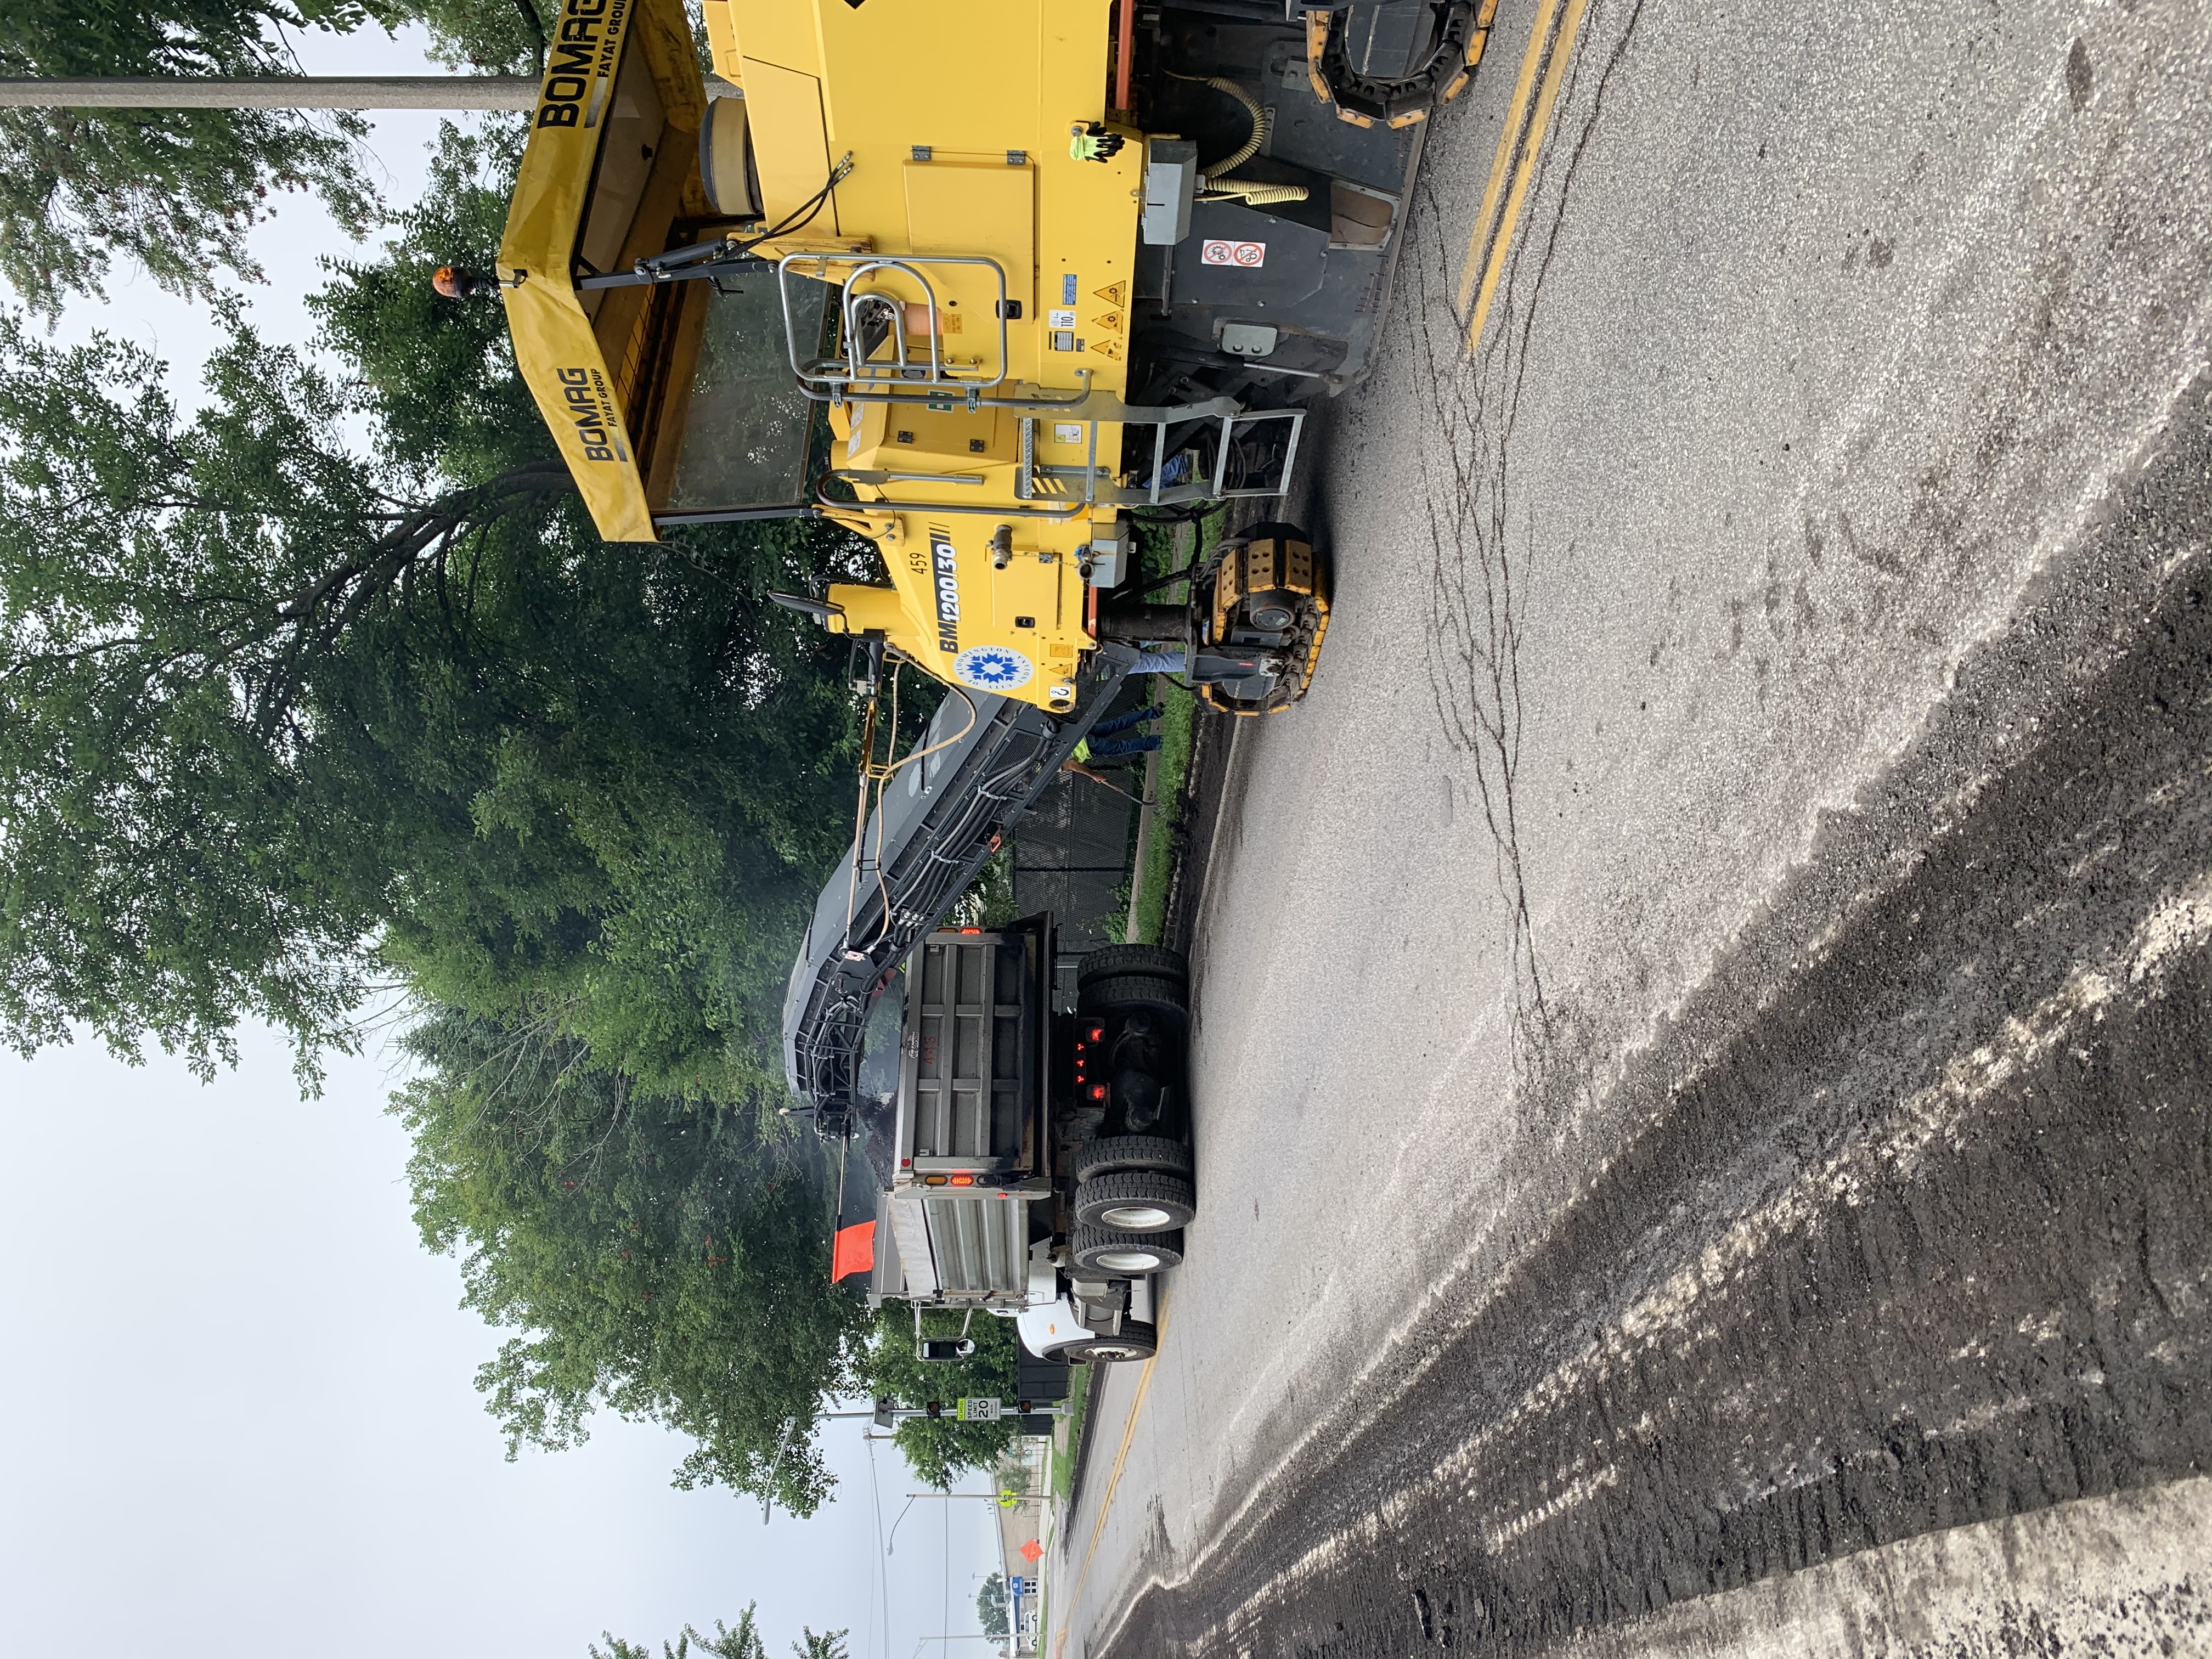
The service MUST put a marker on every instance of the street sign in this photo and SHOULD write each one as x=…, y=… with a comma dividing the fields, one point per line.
x=1018, y=1586
x=983, y=1410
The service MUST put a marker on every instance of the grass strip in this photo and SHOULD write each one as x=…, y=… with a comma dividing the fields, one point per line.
x=1079, y=1402
x=1178, y=715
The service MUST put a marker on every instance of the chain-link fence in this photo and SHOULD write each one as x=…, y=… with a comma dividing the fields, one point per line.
x=1072, y=854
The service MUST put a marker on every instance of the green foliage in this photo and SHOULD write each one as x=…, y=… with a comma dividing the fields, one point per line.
x=938, y=1450
x=661, y=1256
x=489, y=37
x=436, y=378
x=991, y=1612
x=1157, y=550
x=990, y=900
x=329, y=683
x=742, y=1643
x=1079, y=1403
x=262, y=699
x=177, y=191
x=1178, y=719
x=170, y=866
x=174, y=190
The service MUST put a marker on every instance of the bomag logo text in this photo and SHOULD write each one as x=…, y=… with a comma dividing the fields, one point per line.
x=945, y=564
x=579, y=67
x=598, y=427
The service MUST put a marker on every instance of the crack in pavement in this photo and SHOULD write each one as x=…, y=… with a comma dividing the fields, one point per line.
x=1477, y=608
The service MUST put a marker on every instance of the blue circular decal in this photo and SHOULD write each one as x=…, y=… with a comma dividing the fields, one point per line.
x=992, y=667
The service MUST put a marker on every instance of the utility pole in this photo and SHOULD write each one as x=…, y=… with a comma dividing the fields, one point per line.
x=454, y=92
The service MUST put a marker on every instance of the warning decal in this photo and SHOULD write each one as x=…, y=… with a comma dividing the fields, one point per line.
x=1116, y=296
x=1250, y=255
x=1106, y=347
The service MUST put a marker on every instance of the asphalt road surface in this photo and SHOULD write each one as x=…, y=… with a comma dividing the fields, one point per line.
x=1705, y=1116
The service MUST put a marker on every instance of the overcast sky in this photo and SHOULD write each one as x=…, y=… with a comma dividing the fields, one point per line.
x=237, y=1414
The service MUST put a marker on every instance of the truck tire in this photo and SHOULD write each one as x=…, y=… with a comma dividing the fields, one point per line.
x=1136, y=1202
x=1126, y=1255
x=1111, y=1152
x=1156, y=961
x=1126, y=993
x=1137, y=1341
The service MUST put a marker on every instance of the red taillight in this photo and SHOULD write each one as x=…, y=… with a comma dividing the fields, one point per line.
x=906, y=1163
x=1098, y=1092
x=971, y=930
x=1099, y=1034
x=964, y=1181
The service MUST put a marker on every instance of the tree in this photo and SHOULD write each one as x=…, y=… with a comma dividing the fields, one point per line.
x=660, y=1255
x=497, y=37
x=177, y=191
x=266, y=702
x=939, y=1449
x=991, y=1606
x=174, y=190
x=742, y=1643
x=329, y=685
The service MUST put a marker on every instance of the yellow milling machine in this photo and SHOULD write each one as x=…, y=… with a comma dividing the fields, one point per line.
x=986, y=284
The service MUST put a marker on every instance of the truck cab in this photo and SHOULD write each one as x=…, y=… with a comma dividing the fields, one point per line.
x=1036, y=1161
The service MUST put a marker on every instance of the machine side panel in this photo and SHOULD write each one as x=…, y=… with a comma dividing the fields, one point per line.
x=961, y=78
x=791, y=147
x=775, y=32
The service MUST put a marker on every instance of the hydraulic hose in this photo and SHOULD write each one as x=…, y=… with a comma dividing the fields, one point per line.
x=1255, y=194
x=1216, y=178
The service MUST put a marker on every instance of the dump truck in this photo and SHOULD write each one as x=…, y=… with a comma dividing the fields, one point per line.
x=990, y=286
x=1016, y=1123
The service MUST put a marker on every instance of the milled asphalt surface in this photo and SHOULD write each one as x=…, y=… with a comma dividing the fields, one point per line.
x=1705, y=1116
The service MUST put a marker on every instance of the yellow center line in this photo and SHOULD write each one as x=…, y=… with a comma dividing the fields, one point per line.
x=1543, y=66
x=1106, y=1504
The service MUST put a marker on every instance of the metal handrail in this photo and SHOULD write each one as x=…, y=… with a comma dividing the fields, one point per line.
x=860, y=475
x=970, y=394
x=854, y=370
x=1075, y=509
x=1156, y=495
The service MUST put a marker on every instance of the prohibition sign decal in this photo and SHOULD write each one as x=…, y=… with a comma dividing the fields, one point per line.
x=1222, y=251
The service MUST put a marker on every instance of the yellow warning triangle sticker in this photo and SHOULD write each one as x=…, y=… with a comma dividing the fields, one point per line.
x=1111, y=322
x=1107, y=347
x=1116, y=295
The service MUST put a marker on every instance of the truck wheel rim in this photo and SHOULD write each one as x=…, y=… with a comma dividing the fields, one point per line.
x=1136, y=1218
x=1126, y=1261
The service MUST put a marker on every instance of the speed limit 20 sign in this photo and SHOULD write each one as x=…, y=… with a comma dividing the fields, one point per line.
x=1220, y=252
